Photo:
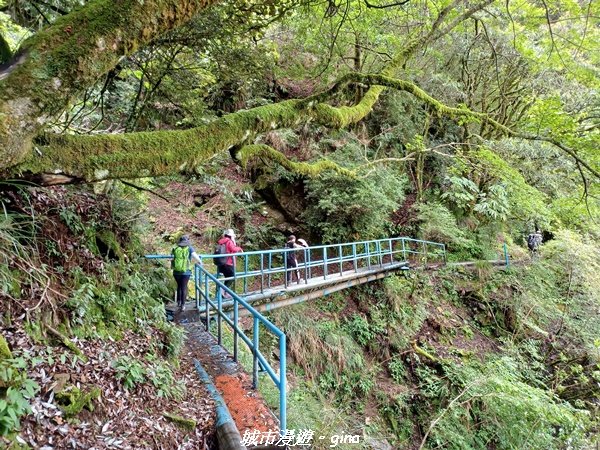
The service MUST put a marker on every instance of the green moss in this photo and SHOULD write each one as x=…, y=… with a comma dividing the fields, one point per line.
x=5, y=52
x=5, y=352
x=34, y=331
x=110, y=240
x=100, y=157
x=73, y=400
x=341, y=117
x=66, y=342
x=182, y=422
x=254, y=152
x=71, y=54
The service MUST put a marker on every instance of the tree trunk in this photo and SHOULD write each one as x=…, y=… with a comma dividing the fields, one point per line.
x=59, y=62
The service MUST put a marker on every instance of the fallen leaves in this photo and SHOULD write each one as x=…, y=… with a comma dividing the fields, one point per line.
x=121, y=419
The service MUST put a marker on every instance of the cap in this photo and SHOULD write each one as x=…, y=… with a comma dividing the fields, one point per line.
x=229, y=232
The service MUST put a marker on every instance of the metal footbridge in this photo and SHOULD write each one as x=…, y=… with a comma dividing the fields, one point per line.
x=263, y=281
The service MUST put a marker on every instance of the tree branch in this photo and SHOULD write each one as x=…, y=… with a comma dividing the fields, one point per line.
x=390, y=5
x=57, y=63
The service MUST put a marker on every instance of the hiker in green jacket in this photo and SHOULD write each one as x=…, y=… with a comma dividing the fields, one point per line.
x=183, y=254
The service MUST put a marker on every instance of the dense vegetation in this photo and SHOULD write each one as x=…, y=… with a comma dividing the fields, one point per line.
x=467, y=123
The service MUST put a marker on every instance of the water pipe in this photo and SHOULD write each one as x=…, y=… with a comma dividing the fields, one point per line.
x=228, y=436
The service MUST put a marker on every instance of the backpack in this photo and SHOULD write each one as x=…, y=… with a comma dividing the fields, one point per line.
x=531, y=242
x=181, y=259
x=220, y=249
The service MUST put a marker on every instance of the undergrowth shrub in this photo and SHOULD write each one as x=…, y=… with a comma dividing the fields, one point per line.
x=15, y=392
x=489, y=404
x=130, y=371
x=408, y=303
x=341, y=209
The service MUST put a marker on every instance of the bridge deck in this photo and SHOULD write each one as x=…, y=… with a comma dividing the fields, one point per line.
x=320, y=282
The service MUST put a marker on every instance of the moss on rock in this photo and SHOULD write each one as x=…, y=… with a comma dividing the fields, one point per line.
x=73, y=400
x=182, y=422
x=109, y=240
x=5, y=352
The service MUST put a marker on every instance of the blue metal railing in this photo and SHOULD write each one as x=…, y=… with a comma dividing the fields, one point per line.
x=212, y=296
x=213, y=299
x=264, y=269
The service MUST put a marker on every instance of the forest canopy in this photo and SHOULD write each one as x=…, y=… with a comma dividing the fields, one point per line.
x=494, y=83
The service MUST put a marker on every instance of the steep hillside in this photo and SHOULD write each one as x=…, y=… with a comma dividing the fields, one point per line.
x=88, y=357
x=459, y=359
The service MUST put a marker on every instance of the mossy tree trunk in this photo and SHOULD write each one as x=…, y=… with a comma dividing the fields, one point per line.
x=71, y=158
x=59, y=62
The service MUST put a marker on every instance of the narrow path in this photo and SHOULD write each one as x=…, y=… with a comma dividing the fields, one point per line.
x=247, y=407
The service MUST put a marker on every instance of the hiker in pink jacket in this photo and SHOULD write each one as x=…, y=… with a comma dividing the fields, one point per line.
x=227, y=268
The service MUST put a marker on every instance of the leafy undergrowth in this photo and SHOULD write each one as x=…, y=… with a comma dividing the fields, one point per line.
x=220, y=198
x=87, y=357
x=128, y=393
x=461, y=358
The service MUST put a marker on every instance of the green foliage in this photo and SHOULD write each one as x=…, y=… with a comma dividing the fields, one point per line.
x=397, y=369
x=526, y=202
x=360, y=330
x=562, y=288
x=15, y=392
x=438, y=224
x=73, y=399
x=16, y=257
x=174, y=338
x=461, y=192
x=70, y=217
x=129, y=371
x=162, y=378
x=125, y=301
x=341, y=209
x=509, y=413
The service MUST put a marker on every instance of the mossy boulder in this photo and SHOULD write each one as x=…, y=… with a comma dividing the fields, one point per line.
x=182, y=422
x=5, y=352
x=73, y=400
x=108, y=245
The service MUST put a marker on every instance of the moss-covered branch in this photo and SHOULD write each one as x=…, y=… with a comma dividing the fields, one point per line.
x=66, y=158
x=250, y=153
x=380, y=81
x=59, y=62
x=134, y=155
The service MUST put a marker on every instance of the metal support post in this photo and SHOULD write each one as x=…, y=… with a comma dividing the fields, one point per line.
x=235, y=328
x=255, y=353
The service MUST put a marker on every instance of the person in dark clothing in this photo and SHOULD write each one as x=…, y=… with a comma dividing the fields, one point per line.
x=292, y=258
x=183, y=254
x=534, y=241
x=228, y=268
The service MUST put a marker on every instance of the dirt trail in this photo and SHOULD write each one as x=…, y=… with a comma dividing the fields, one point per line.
x=247, y=407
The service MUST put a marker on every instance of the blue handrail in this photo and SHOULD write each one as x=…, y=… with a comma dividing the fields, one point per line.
x=265, y=266
x=213, y=299
x=263, y=269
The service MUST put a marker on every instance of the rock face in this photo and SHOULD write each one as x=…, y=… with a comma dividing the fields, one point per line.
x=287, y=198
